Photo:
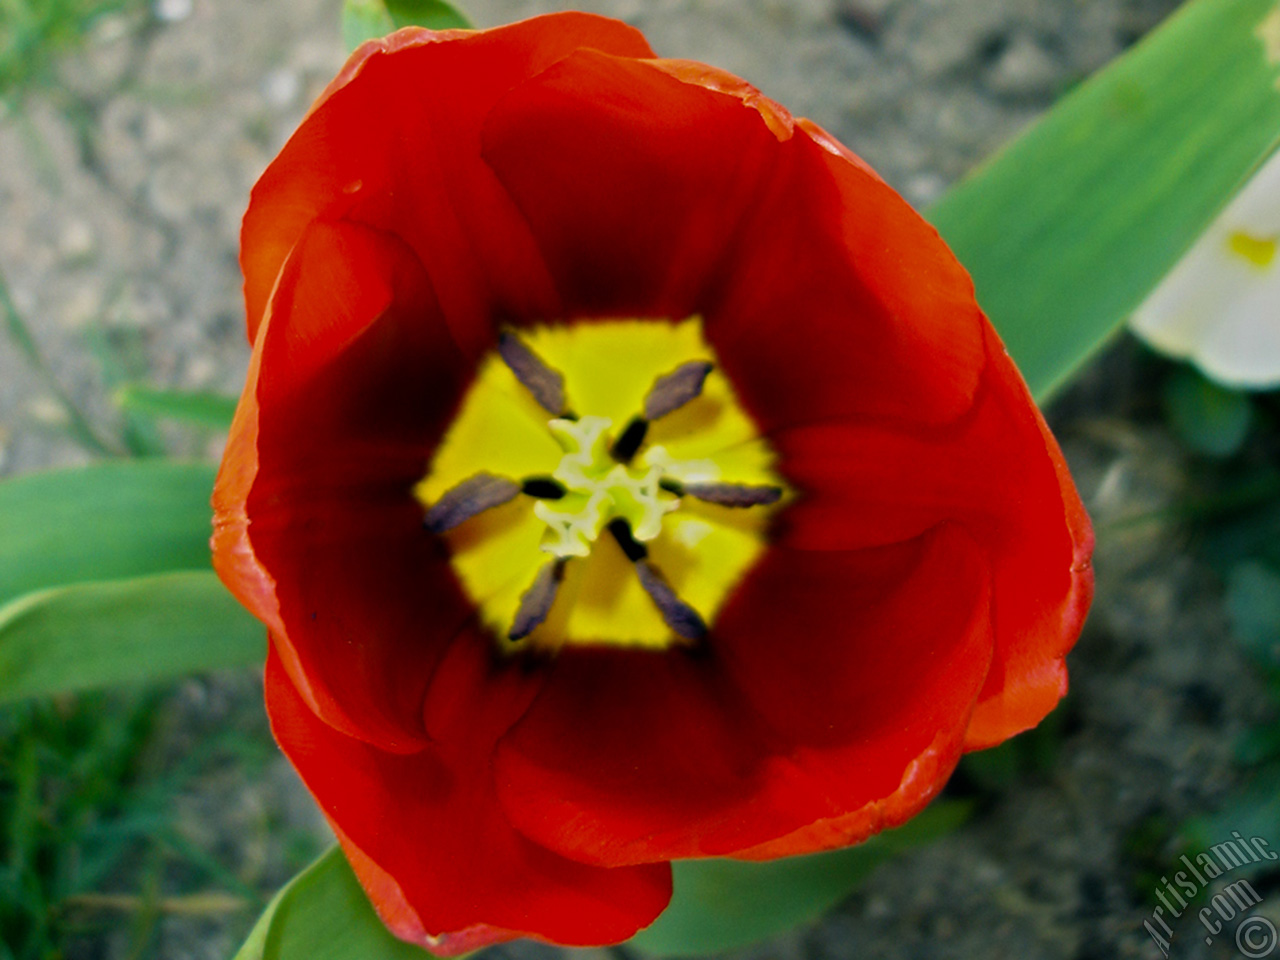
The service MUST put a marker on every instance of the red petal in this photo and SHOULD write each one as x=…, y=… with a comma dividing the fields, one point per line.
x=353, y=380
x=823, y=293
x=845, y=302
x=427, y=839
x=998, y=472
x=882, y=730
x=827, y=675
x=661, y=173
x=924, y=777
x=1029, y=678
x=394, y=143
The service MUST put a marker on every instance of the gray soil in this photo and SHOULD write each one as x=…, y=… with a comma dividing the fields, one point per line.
x=120, y=227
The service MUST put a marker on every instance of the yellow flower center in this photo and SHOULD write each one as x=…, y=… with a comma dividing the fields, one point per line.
x=601, y=484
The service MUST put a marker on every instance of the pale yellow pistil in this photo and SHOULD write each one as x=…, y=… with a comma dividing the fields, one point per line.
x=599, y=489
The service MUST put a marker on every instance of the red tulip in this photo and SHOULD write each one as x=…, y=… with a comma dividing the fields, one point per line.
x=834, y=546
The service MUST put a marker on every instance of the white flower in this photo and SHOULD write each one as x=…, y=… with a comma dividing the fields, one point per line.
x=1220, y=306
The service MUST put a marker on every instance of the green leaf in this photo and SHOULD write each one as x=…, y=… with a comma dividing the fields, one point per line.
x=323, y=914
x=123, y=631
x=364, y=20
x=370, y=19
x=104, y=522
x=722, y=904
x=1069, y=227
x=1209, y=419
x=432, y=14
x=199, y=407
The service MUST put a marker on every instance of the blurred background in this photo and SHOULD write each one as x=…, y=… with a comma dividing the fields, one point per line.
x=155, y=823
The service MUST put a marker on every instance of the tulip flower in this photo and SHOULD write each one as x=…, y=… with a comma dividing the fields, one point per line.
x=625, y=473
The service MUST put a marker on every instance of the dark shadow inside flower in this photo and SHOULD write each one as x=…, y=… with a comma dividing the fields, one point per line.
x=362, y=386
x=809, y=318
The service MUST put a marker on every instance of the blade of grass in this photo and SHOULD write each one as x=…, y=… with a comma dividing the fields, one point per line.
x=26, y=809
x=209, y=866
x=77, y=422
x=199, y=407
x=143, y=926
x=119, y=364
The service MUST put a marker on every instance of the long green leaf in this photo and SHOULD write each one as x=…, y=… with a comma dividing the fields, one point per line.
x=122, y=631
x=323, y=914
x=104, y=522
x=1067, y=229
x=722, y=904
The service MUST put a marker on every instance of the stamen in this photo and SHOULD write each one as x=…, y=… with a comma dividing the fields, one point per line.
x=626, y=446
x=683, y=620
x=633, y=548
x=676, y=614
x=544, y=488
x=472, y=496
x=672, y=391
x=546, y=385
x=734, y=494
x=536, y=602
